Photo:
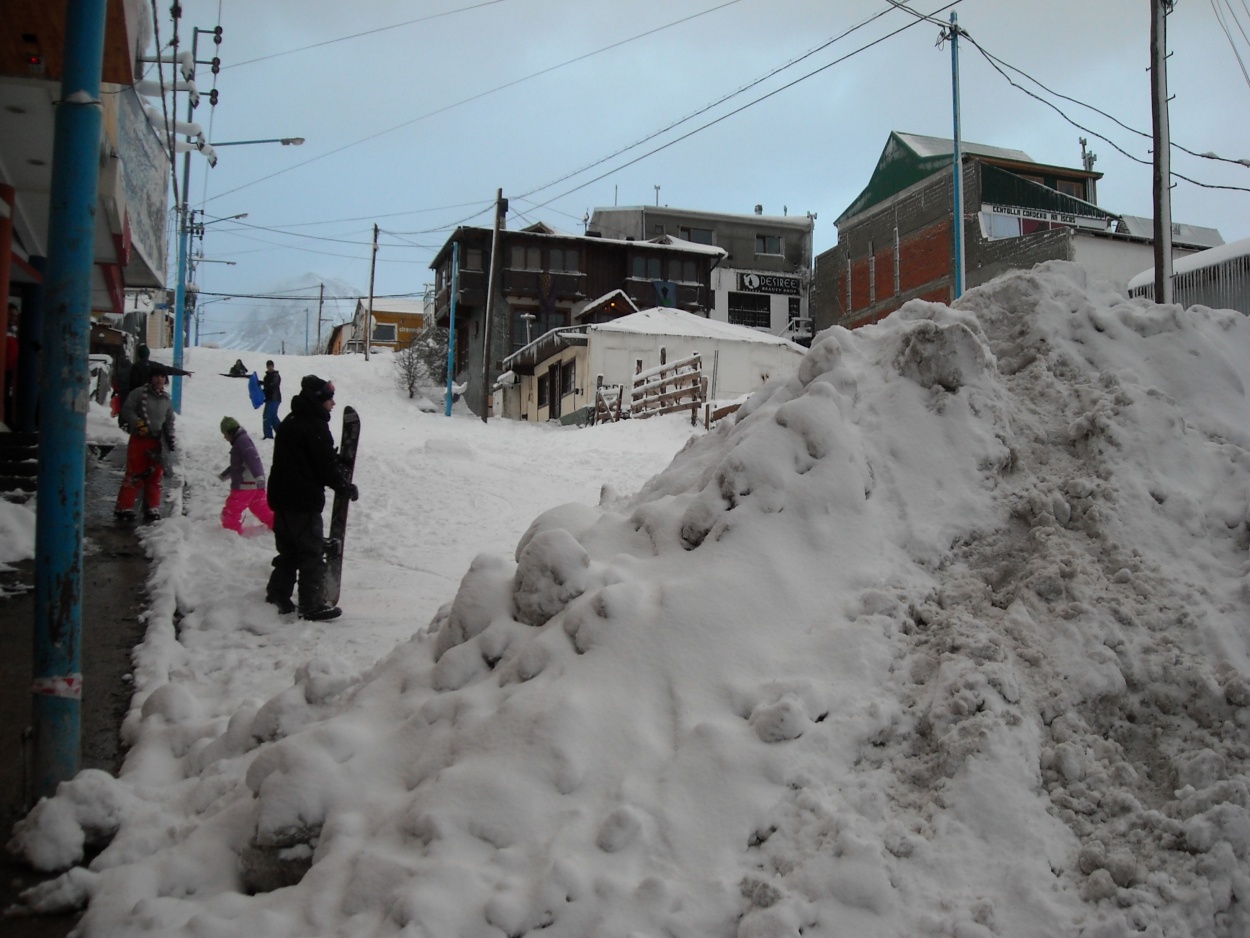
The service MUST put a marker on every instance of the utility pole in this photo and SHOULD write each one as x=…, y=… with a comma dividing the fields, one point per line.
x=451, y=328
x=1159, y=10
x=373, y=266
x=957, y=219
x=501, y=210
x=56, y=680
x=1088, y=159
x=321, y=299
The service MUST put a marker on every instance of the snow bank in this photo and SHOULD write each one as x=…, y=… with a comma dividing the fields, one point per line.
x=944, y=636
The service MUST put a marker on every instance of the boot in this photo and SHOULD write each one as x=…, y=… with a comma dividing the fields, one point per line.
x=321, y=614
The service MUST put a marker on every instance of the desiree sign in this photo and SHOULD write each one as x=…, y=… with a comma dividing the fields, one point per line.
x=768, y=283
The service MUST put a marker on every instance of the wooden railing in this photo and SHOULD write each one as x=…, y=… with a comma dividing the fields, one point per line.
x=607, y=405
x=669, y=388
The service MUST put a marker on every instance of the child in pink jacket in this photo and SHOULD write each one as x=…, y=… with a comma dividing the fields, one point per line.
x=247, y=479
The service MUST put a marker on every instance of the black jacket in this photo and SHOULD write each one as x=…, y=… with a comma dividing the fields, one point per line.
x=140, y=374
x=271, y=382
x=305, y=462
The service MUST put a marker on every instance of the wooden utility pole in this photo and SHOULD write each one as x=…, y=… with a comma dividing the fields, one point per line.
x=373, y=266
x=1159, y=10
x=321, y=299
x=501, y=210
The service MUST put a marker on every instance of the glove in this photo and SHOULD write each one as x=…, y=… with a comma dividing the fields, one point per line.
x=142, y=429
x=224, y=474
x=350, y=491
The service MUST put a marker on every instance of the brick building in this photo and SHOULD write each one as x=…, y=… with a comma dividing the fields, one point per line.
x=895, y=240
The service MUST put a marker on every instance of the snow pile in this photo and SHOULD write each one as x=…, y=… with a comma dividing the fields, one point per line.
x=946, y=636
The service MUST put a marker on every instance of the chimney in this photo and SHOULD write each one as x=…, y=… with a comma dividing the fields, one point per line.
x=759, y=210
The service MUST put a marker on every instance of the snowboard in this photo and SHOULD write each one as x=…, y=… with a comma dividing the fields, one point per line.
x=348, y=439
x=255, y=392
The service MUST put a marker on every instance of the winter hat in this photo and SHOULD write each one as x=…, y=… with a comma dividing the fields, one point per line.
x=229, y=424
x=316, y=389
x=142, y=351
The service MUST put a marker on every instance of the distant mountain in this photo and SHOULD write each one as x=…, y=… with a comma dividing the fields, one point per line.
x=280, y=325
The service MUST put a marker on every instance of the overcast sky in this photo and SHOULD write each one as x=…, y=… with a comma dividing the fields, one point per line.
x=415, y=124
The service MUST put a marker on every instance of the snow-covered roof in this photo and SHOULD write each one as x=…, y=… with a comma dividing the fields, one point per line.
x=1142, y=227
x=669, y=241
x=677, y=322
x=944, y=146
x=1196, y=261
x=389, y=305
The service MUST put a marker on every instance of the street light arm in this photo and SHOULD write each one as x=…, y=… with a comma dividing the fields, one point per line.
x=285, y=141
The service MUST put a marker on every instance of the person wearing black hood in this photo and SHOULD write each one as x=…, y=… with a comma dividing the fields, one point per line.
x=305, y=464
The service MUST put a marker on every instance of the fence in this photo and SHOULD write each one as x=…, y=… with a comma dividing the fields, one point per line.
x=669, y=388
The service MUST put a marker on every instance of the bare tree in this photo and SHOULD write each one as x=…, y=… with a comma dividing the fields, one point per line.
x=423, y=364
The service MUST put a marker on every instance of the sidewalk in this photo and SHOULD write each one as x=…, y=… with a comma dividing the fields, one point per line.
x=115, y=572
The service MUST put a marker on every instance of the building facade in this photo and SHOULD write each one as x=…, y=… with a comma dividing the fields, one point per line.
x=765, y=280
x=896, y=240
x=545, y=279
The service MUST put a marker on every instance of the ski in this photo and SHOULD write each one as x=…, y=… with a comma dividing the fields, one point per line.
x=348, y=440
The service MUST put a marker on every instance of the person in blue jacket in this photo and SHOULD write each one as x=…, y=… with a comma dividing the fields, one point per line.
x=271, y=384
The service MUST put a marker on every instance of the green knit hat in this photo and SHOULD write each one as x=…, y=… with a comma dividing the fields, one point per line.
x=229, y=425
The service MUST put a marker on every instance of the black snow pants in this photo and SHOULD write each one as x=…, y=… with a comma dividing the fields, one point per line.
x=299, y=539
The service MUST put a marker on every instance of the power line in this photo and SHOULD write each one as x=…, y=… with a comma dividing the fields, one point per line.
x=1136, y=159
x=705, y=108
x=367, y=32
x=552, y=68
x=738, y=110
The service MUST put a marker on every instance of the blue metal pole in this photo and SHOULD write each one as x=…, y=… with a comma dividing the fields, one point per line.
x=451, y=326
x=57, y=677
x=958, y=219
x=180, y=301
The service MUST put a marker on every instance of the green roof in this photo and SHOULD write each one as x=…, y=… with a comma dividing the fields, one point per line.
x=909, y=158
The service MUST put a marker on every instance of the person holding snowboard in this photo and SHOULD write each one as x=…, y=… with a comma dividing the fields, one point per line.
x=148, y=416
x=247, y=479
x=305, y=464
x=272, y=386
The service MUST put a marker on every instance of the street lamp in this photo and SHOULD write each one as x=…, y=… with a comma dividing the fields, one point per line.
x=184, y=234
x=199, y=314
x=285, y=141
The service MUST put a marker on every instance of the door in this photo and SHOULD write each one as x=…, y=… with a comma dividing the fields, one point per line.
x=553, y=392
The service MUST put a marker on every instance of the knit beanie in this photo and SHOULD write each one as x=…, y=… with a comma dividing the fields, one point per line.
x=142, y=351
x=229, y=424
x=316, y=389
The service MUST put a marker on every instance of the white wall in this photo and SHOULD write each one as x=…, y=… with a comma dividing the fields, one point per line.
x=1114, y=260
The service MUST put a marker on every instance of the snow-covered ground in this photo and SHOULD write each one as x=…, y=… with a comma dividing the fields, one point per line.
x=947, y=636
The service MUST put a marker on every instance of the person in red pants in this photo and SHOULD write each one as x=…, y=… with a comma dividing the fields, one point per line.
x=247, y=479
x=148, y=416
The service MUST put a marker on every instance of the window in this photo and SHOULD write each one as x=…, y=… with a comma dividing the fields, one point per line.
x=384, y=332
x=698, y=235
x=568, y=381
x=796, y=308
x=526, y=258
x=659, y=231
x=473, y=259
x=542, y=390
x=1072, y=187
x=525, y=331
x=645, y=268
x=750, y=309
x=767, y=244
x=681, y=270
x=563, y=259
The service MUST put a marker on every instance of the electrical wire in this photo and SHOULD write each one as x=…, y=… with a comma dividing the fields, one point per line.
x=368, y=32
x=734, y=112
x=994, y=60
x=705, y=108
x=1219, y=18
x=407, y=123
x=1093, y=133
